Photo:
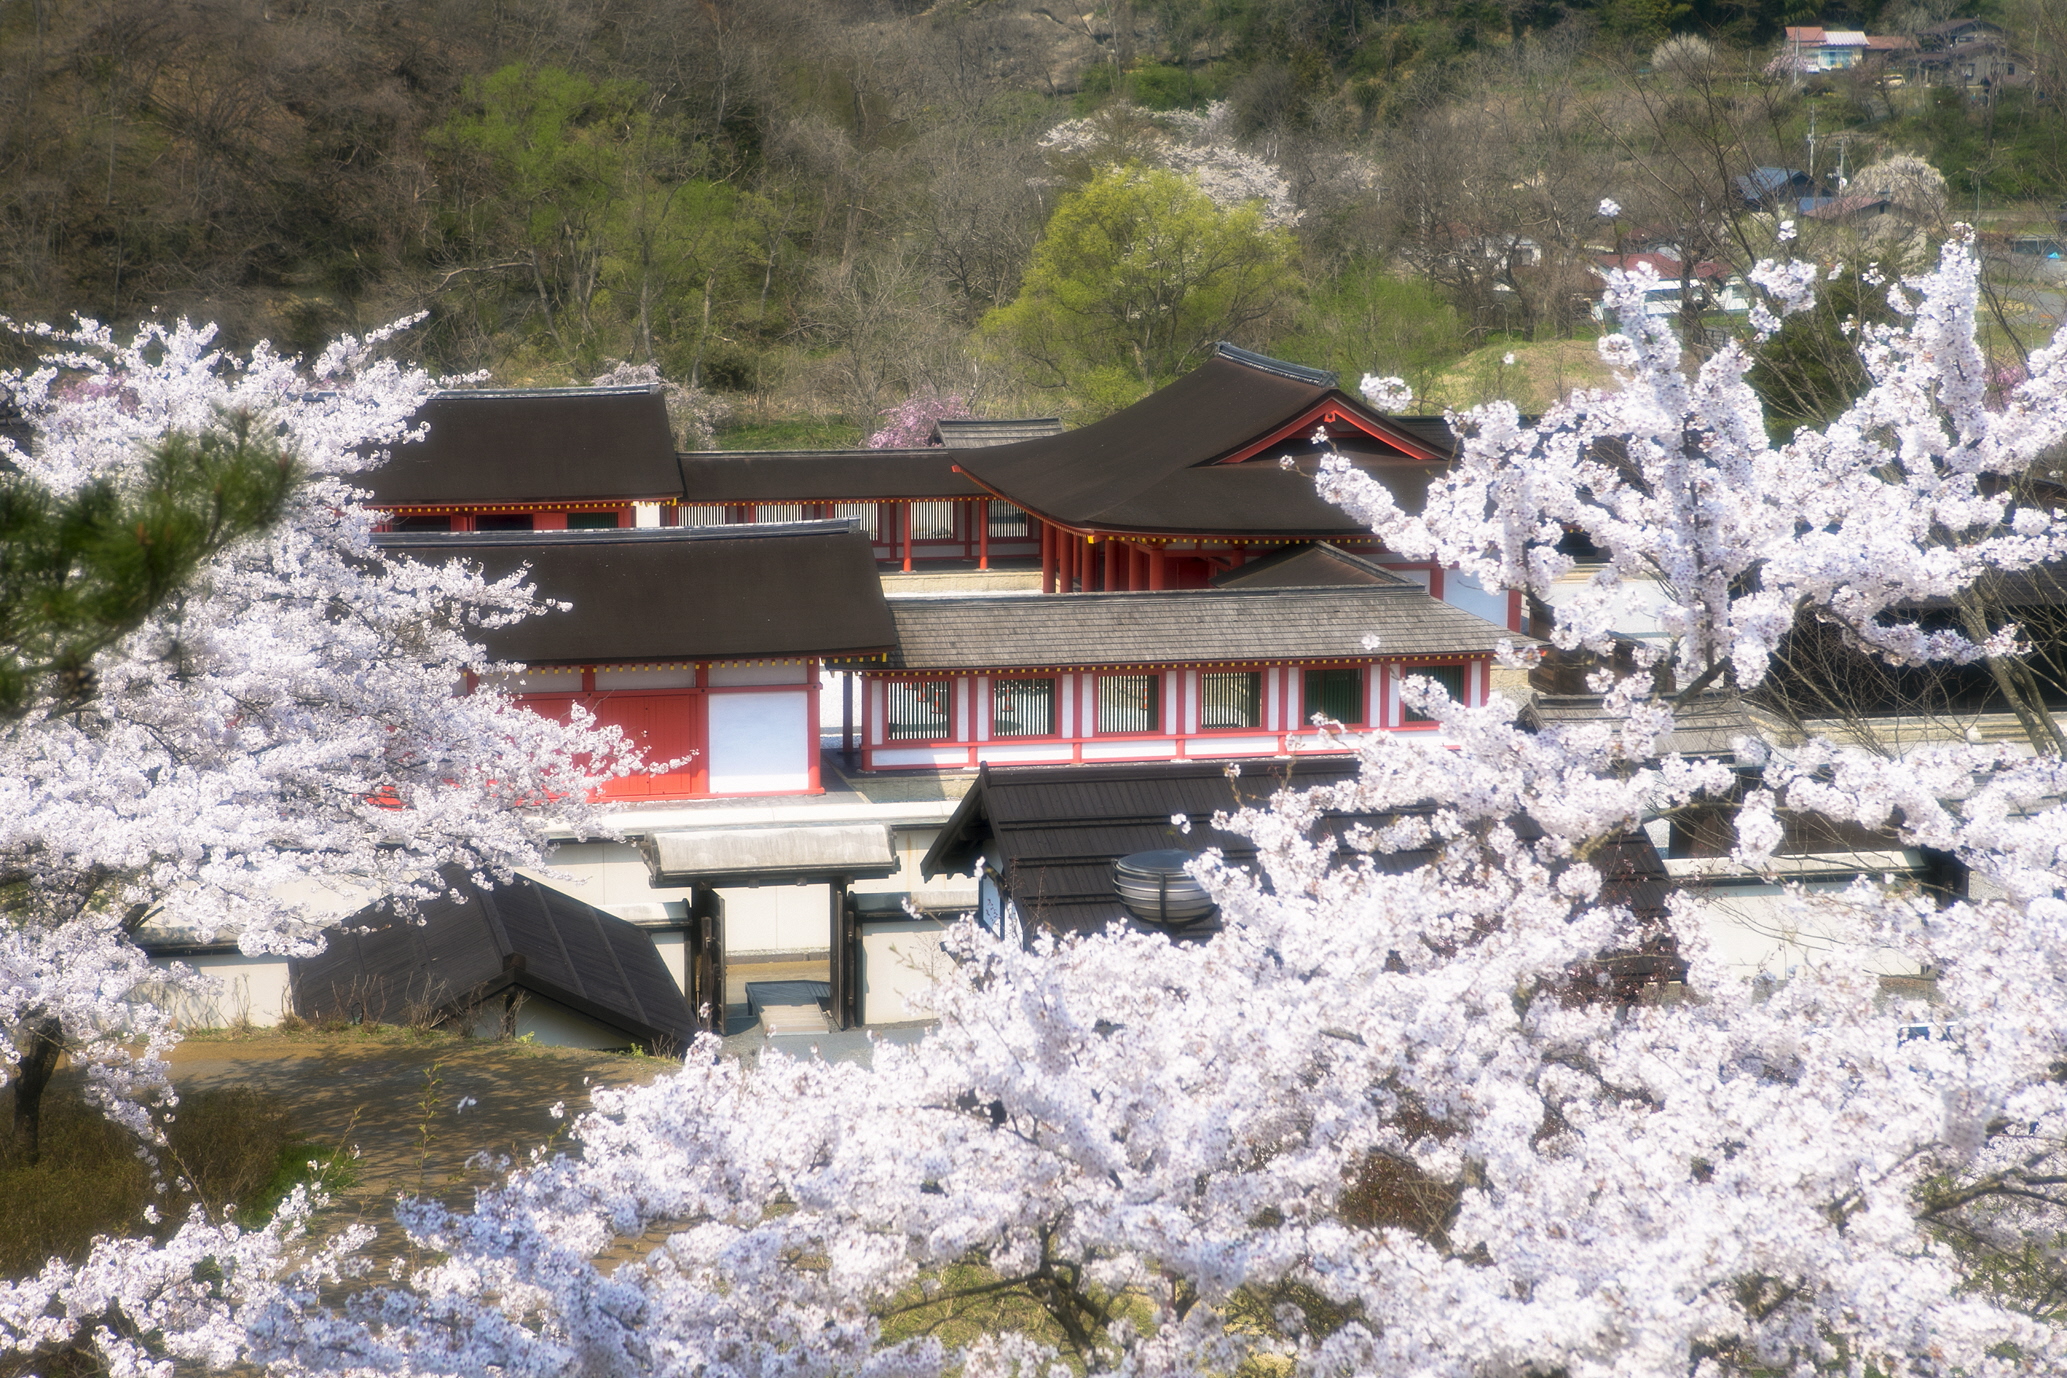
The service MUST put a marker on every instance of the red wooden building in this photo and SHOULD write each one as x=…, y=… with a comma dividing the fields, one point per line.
x=1239, y=670
x=704, y=644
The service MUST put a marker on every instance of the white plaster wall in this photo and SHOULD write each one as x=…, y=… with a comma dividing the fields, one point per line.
x=1462, y=590
x=898, y=958
x=776, y=918
x=760, y=743
x=246, y=990
x=552, y=1024
x=1754, y=930
x=612, y=877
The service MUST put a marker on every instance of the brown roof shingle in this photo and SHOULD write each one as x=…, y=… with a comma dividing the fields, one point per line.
x=821, y=475
x=1187, y=627
x=493, y=447
x=1157, y=466
x=680, y=593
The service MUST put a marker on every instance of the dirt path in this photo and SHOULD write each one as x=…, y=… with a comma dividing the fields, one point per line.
x=399, y=1105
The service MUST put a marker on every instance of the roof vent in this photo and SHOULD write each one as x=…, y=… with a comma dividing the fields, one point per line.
x=1157, y=889
x=1298, y=373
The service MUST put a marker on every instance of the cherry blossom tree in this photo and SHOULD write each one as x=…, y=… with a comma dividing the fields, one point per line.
x=1396, y=1115
x=288, y=734
x=909, y=424
x=1906, y=497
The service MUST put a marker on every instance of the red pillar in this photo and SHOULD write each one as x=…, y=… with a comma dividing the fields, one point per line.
x=1115, y=558
x=1158, y=567
x=1047, y=557
x=1085, y=556
x=907, y=537
x=982, y=534
x=1137, y=568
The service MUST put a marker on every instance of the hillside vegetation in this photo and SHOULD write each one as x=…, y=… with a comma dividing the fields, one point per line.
x=819, y=208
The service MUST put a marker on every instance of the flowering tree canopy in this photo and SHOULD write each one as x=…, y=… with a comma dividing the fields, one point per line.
x=909, y=424
x=1394, y=1117
x=284, y=736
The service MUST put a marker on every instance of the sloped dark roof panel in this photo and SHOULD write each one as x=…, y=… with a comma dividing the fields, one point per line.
x=485, y=448
x=458, y=953
x=1314, y=565
x=672, y=594
x=1115, y=474
x=1202, y=626
x=972, y=434
x=821, y=475
x=1058, y=829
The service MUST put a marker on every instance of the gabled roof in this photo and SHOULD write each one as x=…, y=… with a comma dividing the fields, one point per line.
x=969, y=433
x=710, y=476
x=1173, y=463
x=493, y=447
x=1184, y=627
x=1058, y=829
x=675, y=594
x=1842, y=207
x=1303, y=566
x=457, y=954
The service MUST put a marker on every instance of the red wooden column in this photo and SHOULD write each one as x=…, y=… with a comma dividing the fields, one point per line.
x=907, y=535
x=982, y=510
x=1137, y=567
x=1086, y=564
x=1047, y=557
x=1158, y=567
x=1115, y=558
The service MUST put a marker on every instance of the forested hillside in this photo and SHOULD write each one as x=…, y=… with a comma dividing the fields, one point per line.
x=819, y=208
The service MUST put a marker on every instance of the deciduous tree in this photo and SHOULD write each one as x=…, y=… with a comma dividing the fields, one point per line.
x=286, y=735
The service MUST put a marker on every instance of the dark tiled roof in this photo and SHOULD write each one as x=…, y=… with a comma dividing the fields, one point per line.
x=971, y=434
x=677, y=594
x=466, y=953
x=1305, y=566
x=821, y=475
x=1155, y=467
x=488, y=448
x=1058, y=829
x=1204, y=626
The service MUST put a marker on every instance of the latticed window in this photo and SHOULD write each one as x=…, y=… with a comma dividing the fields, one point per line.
x=920, y=709
x=1022, y=707
x=1451, y=677
x=1006, y=520
x=779, y=512
x=1129, y=703
x=933, y=520
x=702, y=514
x=1336, y=694
x=862, y=512
x=1231, y=698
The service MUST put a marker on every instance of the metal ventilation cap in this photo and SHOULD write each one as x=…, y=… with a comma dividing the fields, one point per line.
x=1155, y=888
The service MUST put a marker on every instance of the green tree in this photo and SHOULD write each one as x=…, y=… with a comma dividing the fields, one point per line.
x=581, y=207
x=1135, y=278
x=79, y=570
x=1372, y=319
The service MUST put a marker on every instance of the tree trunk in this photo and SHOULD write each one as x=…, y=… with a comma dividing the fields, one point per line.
x=2019, y=686
x=42, y=1040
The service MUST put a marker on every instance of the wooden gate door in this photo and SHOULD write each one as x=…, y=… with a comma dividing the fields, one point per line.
x=707, y=958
